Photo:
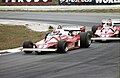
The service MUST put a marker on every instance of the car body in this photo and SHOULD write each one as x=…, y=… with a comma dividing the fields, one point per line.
x=62, y=42
x=109, y=30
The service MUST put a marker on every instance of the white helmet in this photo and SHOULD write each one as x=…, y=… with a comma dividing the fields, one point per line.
x=109, y=23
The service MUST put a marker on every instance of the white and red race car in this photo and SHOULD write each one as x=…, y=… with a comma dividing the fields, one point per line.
x=60, y=40
x=109, y=30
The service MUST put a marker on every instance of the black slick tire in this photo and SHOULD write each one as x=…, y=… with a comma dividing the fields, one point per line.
x=62, y=46
x=28, y=44
x=85, y=39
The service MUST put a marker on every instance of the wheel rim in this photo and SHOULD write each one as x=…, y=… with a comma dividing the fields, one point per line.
x=89, y=40
x=66, y=49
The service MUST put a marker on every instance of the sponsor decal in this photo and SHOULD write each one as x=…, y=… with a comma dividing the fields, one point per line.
x=86, y=0
x=69, y=1
x=107, y=1
x=89, y=1
x=27, y=1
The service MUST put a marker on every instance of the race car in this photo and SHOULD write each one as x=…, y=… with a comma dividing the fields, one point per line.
x=109, y=30
x=60, y=40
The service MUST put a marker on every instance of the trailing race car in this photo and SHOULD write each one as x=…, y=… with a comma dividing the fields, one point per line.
x=109, y=30
x=60, y=40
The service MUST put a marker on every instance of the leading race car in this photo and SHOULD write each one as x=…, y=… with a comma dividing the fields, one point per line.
x=60, y=40
x=109, y=30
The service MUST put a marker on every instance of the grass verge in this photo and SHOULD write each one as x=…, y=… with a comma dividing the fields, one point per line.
x=13, y=36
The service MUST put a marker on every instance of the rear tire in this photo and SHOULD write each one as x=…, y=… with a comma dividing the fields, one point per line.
x=85, y=39
x=28, y=44
x=62, y=46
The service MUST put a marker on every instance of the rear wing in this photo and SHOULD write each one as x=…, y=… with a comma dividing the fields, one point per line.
x=80, y=28
x=114, y=21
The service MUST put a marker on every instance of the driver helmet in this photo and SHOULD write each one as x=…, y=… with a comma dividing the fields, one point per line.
x=109, y=23
x=56, y=31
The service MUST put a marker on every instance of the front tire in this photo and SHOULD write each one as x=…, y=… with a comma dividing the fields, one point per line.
x=62, y=46
x=85, y=39
x=91, y=33
x=28, y=44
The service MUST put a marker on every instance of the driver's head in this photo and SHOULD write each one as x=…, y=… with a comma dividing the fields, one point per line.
x=56, y=31
x=109, y=23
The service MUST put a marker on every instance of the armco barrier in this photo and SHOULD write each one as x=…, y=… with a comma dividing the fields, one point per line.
x=59, y=7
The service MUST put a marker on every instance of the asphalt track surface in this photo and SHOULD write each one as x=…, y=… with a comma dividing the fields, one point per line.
x=100, y=60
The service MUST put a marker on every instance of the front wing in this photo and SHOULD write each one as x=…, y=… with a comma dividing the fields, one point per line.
x=104, y=39
x=37, y=49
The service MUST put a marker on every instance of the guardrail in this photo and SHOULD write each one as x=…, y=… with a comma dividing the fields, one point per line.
x=59, y=7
